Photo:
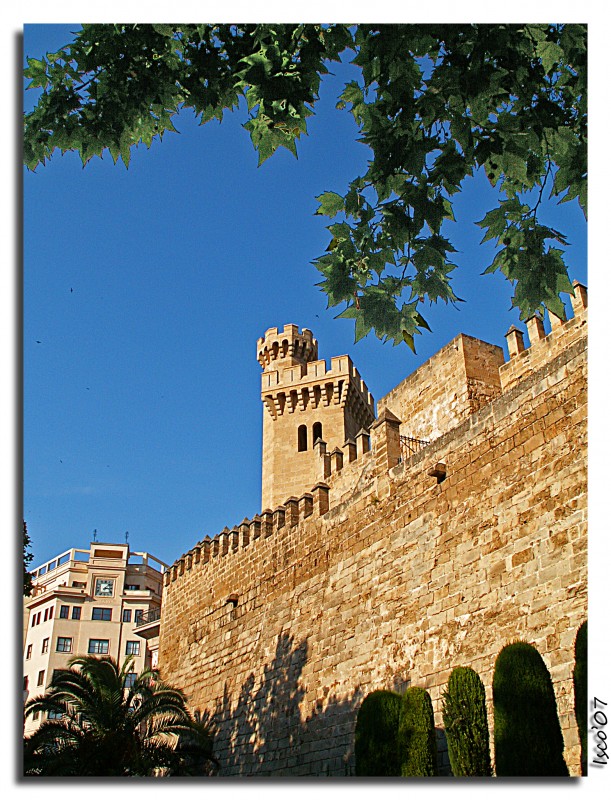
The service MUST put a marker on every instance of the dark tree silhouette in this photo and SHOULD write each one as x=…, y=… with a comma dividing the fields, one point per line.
x=99, y=722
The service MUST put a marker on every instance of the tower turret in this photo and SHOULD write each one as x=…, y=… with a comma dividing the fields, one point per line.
x=303, y=402
x=287, y=348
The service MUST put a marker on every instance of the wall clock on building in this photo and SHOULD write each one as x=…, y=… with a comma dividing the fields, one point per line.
x=104, y=587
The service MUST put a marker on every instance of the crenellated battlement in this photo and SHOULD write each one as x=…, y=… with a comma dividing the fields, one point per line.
x=287, y=347
x=314, y=385
x=269, y=522
x=378, y=447
x=543, y=347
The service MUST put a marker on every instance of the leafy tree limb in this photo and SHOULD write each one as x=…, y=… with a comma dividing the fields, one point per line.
x=434, y=104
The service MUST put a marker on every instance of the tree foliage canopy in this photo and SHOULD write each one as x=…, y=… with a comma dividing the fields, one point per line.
x=375, y=737
x=434, y=103
x=466, y=724
x=527, y=734
x=416, y=735
x=104, y=720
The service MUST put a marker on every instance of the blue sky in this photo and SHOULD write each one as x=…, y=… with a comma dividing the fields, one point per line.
x=144, y=293
x=141, y=404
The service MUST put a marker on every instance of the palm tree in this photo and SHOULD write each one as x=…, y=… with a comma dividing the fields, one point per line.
x=104, y=720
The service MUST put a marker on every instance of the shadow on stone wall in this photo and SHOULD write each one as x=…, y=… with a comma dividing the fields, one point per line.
x=263, y=733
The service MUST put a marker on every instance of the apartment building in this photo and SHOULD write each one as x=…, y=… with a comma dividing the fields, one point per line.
x=102, y=601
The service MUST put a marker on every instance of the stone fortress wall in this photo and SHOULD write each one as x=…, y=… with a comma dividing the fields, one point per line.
x=396, y=567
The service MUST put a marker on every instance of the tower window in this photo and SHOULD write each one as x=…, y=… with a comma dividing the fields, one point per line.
x=231, y=604
x=302, y=438
x=316, y=432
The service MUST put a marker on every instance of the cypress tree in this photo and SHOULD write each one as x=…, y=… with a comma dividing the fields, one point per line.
x=580, y=687
x=417, y=744
x=377, y=724
x=527, y=735
x=466, y=724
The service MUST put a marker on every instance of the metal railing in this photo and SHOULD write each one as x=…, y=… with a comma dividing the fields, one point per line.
x=409, y=446
x=149, y=616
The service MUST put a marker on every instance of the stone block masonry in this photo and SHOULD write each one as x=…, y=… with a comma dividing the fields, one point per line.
x=277, y=629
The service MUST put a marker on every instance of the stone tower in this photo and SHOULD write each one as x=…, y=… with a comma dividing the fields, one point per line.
x=304, y=403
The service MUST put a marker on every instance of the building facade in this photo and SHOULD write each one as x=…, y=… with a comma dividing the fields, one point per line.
x=95, y=602
x=455, y=524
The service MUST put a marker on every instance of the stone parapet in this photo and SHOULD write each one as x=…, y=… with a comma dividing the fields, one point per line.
x=268, y=523
x=454, y=383
x=313, y=385
x=543, y=348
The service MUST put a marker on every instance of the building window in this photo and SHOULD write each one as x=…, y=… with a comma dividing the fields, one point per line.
x=46, y=615
x=76, y=612
x=104, y=614
x=28, y=652
x=127, y=615
x=302, y=438
x=132, y=586
x=51, y=613
x=64, y=644
x=41, y=678
x=231, y=604
x=316, y=432
x=25, y=683
x=79, y=584
x=98, y=646
x=54, y=715
x=35, y=715
x=132, y=649
x=138, y=614
x=45, y=646
x=64, y=611
x=130, y=679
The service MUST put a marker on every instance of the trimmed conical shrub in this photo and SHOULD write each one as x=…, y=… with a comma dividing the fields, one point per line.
x=377, y=724
x=527, y=735
x=580, y=687
x=466, y=723
x=417, y=744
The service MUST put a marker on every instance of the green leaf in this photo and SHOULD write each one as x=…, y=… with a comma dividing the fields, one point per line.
x=164, y=30
x=550, y=54
x=408, y=338
x=331, y=204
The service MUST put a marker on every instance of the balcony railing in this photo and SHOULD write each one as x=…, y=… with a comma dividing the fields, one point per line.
x=149, y=616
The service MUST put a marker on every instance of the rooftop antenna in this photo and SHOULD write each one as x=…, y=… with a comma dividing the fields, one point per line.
x=126, y=536
x=95, y=534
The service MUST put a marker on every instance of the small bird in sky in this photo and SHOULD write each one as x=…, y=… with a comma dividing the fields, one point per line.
x=38, y=341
